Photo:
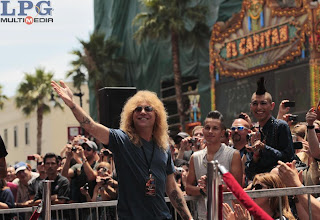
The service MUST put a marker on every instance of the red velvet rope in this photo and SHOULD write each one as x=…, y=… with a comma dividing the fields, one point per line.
x=242, y=196
x=35, y=215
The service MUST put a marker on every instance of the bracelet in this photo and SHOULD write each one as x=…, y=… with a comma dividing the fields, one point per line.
x=310, y=126
x=202, y=192
x=73, y=107
x=84, y=161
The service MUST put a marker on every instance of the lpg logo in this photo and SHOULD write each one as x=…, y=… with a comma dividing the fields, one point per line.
x=25, y=11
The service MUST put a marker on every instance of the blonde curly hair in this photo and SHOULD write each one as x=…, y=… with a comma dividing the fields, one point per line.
x=160, y=128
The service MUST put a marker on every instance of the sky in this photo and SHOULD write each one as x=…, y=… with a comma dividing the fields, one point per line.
x=25, y=47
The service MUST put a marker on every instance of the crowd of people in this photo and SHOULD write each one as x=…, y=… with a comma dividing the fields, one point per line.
x=139, y=164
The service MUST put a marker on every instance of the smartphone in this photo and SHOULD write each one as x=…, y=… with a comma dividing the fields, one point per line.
x=293, y=118
x=31, y=157
x=289, y=104
x=297, y=145
x=242, y=116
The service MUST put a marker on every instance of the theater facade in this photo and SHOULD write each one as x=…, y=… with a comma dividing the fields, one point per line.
x=277, y=39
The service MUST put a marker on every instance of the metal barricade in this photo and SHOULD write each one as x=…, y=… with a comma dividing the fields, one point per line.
x=96, y=210
x=214, y=179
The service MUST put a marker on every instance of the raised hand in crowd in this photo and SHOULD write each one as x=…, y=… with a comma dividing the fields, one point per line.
x=283, y=110
x=288, y=118
x=185, y=145
x=255, y=145
x=239, y=212
x=291, y=178
x=312, y=135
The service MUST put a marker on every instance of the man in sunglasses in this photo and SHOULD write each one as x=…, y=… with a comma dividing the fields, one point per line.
x=140, y=148
x=34, y=185
x=84, y=172
x=273, y=142
x=240, y=133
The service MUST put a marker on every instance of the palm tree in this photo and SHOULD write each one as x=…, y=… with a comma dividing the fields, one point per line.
x=2, y=98
x=33, y=95
x=98, y=60
x=180, y=21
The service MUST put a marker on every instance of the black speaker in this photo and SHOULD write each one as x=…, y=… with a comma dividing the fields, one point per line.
x=111, y=101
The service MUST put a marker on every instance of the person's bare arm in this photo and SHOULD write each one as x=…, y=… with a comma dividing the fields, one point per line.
x=3, y=205
x=90, y=173
x=66, y=171
x=236, y=167
x=176, y=198
x=282, y=109
x=191, y=189
x=311, y=135
x=95, y=129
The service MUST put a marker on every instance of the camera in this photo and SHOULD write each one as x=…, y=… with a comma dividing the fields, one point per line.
x=86, y=186
x=249, y=137
x=297, y=145
x=106, y=153
x=179, y=170
x=31, y=157
x=193, y=140
x=293, y=118
x=74, y=149
x=105, y=181
x=289, y=104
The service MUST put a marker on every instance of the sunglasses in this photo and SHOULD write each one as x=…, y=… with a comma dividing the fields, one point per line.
x=317, y=131
x=104, y=169
x=146, y=109
x=40, y=163
x=86, y=148
x=257, y=186
x=240, y=128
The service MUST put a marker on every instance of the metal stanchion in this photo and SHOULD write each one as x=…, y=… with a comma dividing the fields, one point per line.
x=213, y=182
x=47, y=199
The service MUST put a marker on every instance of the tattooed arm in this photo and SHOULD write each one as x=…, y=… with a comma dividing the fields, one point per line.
x=176, y=197
x=95, y=129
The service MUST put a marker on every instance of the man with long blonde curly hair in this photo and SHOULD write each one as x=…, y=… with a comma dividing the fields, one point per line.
x=142, y=157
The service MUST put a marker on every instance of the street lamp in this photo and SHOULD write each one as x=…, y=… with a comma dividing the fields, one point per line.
x=79, y=94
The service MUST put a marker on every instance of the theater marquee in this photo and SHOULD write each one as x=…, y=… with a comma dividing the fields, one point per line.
x=260, y=38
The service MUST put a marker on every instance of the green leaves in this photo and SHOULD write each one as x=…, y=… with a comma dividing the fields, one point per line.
x=98, y=60
x=165, y=16
x=34, y=92
x=2, y=97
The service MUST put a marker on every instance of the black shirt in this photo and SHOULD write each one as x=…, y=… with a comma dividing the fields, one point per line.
x=278, y=146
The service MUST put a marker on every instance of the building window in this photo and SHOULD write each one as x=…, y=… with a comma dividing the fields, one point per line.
x=5, y=137
x=26, y=128
x=15, y=136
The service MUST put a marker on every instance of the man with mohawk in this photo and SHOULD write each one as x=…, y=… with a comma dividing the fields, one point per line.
x=273, y=142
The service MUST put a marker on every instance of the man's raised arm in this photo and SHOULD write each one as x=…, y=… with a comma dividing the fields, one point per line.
x=97, y=130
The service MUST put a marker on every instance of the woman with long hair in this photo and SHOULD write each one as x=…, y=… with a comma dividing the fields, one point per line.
x=269, y=204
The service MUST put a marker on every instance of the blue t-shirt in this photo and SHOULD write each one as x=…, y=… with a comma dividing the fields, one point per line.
x=132, y=171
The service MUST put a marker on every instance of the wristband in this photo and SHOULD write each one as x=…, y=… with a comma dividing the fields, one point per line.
x=84, y=161
x=202, y=192
x=310, y=126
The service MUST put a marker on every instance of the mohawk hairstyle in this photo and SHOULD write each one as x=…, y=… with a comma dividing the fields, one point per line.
x=261, y=89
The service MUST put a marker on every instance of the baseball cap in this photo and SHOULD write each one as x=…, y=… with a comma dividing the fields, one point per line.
x=91, y=144
x=181, y=135
x=20, y=166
